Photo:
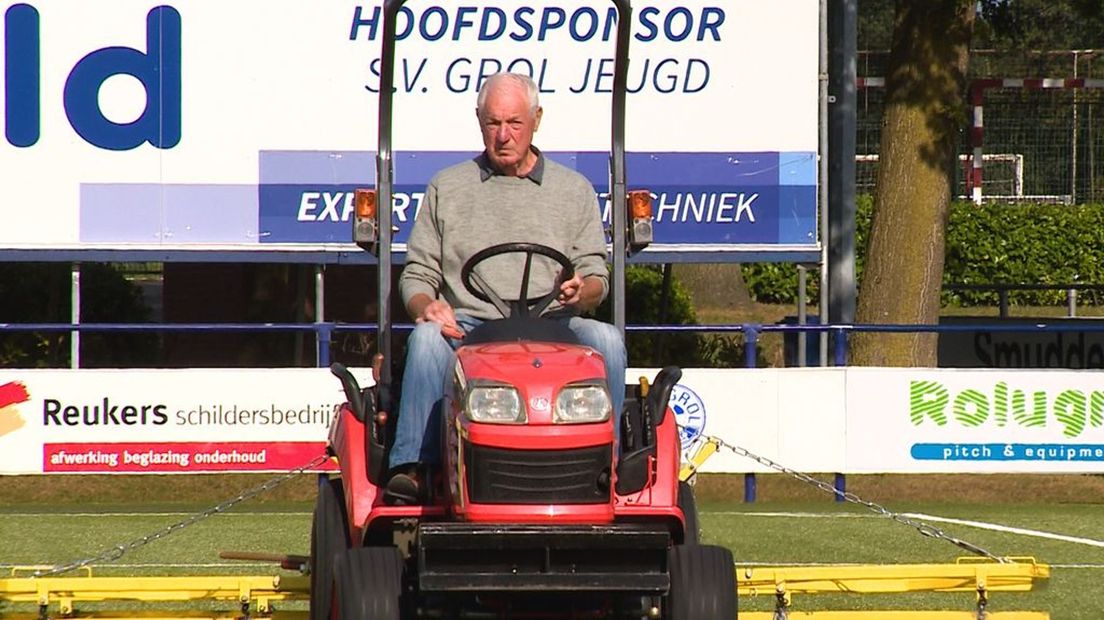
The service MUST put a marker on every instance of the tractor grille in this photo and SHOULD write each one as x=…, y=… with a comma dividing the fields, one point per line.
x=501, y=476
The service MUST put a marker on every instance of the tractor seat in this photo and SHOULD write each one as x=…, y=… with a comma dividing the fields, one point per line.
x=518, y=329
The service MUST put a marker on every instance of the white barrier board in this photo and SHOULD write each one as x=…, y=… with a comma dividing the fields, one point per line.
x=848, y=420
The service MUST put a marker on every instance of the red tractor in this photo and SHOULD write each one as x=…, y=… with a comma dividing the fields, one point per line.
x=537, y=509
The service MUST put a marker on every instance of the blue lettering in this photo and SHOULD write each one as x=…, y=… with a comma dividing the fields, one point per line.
x=650, y=28
x=358, y=21
x=611, y=22
x=485, y=34
x=159, y=71
x=688, y=24
x=712, y=18
x=583, y=35
x=526, y=28
x=374, y=69
x=424, y=29
x=22, y=81
x=583, y=24
x=465, y=77
x=672, y=84
x=690, y=64
x=547, y=22
x=462, y=21
x=401, y=33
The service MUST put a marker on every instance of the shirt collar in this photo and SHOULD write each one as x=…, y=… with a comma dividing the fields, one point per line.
x=486, y=170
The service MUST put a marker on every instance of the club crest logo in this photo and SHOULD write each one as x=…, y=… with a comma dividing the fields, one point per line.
x=689, y=414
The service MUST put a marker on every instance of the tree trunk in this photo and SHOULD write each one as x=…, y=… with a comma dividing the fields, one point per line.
x=924, y=110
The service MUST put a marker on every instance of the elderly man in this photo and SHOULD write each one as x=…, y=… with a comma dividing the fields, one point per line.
x=509, y=193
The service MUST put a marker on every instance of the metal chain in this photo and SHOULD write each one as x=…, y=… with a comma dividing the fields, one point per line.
x=114, y=553
x=924, y=528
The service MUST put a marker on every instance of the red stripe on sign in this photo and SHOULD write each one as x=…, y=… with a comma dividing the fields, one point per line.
x=13, y=393
x=185, y=457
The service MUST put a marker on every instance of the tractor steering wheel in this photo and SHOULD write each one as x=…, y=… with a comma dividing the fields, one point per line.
x=524, y=306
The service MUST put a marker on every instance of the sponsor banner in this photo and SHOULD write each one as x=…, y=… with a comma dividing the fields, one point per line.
x=179, y=457
x=244, y=125
x=161, y=421
x=983, y=421
x=1030, y=348
x=695, y=201
x=848, y=420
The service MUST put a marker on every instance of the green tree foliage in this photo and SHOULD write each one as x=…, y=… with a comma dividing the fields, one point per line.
x=1041, y=24
x=1000, y=244
x=645, y=304
x=39, y=293
x=990, y=244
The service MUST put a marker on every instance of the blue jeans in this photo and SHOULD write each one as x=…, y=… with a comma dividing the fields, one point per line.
x=430, y=358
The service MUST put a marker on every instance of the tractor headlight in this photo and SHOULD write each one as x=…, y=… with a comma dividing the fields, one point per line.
x=495, y=404
x=578, y=404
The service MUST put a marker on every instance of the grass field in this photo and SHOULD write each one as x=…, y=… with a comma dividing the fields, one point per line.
x=764, y=533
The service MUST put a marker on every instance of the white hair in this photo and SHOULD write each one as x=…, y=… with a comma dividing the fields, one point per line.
x=518, y=79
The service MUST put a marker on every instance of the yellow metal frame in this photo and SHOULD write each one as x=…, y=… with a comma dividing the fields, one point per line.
x=895, y=616
x=63, y=593
x=966, y=575
x=257, y=593
x=978, y=575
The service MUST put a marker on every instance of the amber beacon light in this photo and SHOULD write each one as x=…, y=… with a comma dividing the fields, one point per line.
x=640, y=212
x=366, y=227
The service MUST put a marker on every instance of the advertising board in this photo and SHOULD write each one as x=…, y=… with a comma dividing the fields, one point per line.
x=1079, y=344
x=190, y=125
x=977, y=421
x=847, y=420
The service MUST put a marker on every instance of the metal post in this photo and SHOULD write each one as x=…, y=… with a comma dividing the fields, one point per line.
x=324, y=333
x=617, y=185
x=664, y=300
x=322, y=347
x=802, y=313
x=822, y=177
x=842, y=119
x=384, y=180
x=841, y=487
x=1002, y=295
x=1073, y=148
x=1071, y=302
x=750, y=490
x=841, y=347
x=74, y=314
x=751, y=345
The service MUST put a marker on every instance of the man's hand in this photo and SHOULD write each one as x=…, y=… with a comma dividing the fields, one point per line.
x=571, y=291
x=582, y=293
x=440, y=312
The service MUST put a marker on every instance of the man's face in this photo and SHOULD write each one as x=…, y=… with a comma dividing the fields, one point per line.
x=507, y=126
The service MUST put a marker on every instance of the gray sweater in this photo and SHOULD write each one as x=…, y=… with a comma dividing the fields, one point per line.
x=462, y=214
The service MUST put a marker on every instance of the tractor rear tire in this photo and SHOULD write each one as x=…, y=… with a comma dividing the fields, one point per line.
x=689, y=507
x=368, y=584
x=703, y=583
x=329, y=539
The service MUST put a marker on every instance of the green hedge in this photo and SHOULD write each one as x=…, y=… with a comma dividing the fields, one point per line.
x=990, y=244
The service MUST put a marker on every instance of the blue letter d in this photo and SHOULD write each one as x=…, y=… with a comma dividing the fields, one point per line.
x=159, y=71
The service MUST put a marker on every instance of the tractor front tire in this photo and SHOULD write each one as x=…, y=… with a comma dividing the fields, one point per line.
x=329, y=540
x=703, y=583
x=368, y=584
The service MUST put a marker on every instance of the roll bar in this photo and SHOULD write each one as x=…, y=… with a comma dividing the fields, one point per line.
x=385, y=172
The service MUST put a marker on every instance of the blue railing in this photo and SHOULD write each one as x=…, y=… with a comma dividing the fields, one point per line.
x=324, y=331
